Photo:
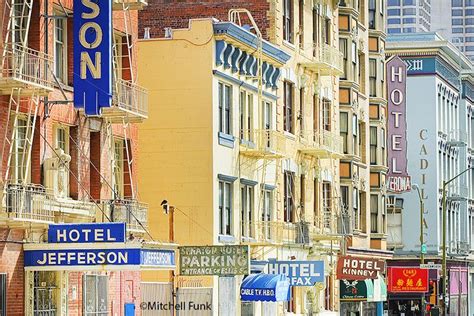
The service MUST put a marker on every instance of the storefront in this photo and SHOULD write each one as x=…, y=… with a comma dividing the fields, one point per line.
x=88, y=269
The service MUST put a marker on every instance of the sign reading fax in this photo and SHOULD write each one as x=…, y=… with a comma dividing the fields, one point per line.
x=300, y=273
x=84, y=233
x=214, y=260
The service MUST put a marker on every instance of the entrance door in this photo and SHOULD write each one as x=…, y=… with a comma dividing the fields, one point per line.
x=45, y=292
x=153, y=292
x=200, y=298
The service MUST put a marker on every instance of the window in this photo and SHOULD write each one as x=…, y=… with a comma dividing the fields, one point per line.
x=393, y=21
x=372, y=14
x=316, y=113
x=95, y=295
x=225, y=108
x=326, y=31
x=288, y=20
x=392, y=12
x=60, y=48
x=373, y=145
x=225, y=208
x=315, y=31
x=61, y=142
x=354, y=56
x=118, y=168
x=457, y=22
x=288, y=107
x=289, y=202
x=3, y=294
x=343, y=118
x=20, y=171
x=356, y=208
x=355, y=132
x=267, y=214
x=327, y=205
x=301, y=22
x=301, y=114
x=246, y=116
x=374, y=213
x=343, y=49
x=393, y=3
x=302, y=192
x=45, y=293
x=316, y=200
x=326, y=115
x=373, y=77
x=247, y=205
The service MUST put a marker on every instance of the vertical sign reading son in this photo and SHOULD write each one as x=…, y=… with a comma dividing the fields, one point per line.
x=92, y=55
x=398, y=179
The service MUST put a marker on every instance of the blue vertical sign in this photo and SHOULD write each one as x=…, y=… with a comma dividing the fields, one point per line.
x=92, y=55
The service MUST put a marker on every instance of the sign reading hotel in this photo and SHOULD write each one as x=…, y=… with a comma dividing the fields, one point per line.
x=214, y=260
x=398, y=180
x=92, y=55
x=300, y=273
x=93, y=246
x=358, y=268
x=407, y=280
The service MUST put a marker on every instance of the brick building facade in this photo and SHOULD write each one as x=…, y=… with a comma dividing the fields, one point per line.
x=60, y=166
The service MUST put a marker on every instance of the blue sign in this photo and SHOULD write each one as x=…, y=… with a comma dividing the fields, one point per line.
x=82, y=257
x=265, y=287
x=148, y=258
x=86, y=233
x=156, y=258
x=92, y=55
x=300, y=273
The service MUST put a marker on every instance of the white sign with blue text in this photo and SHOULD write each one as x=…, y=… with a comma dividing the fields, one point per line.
x=300, y=273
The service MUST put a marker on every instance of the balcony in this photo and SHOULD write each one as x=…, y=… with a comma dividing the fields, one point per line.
x=263, y=143
x=323, y=144
x=27, y=69
x=457, y=138
x=129, y=4
x=328, y=61
x=131, y=212
x=26, y=204
x=268, y=233
x=129, y=103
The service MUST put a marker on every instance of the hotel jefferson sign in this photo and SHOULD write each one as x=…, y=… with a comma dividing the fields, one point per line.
x=398, y=180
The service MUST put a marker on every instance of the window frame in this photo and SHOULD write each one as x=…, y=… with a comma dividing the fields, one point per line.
x=225, y=92
x=288, y=21
x=225, y=205
x=63, y=77
x=288, y=107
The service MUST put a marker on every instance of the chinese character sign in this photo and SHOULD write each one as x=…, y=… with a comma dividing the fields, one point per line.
x=398, y=179
x=407, y=279
x=92, y=55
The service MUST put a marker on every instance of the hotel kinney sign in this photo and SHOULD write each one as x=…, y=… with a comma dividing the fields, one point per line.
x=359, y=268
x=398, y=180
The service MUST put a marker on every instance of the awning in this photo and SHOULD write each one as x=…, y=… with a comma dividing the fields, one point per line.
x=380, y=290
x=353, y=290
x=265, y=287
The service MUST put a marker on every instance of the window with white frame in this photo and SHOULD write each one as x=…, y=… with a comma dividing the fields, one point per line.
x=327, y=114
x=356, y=209
x=344, y=50
x=225, y=208
x=372, y=16
x=354, y=56
x=246, y=210
x=374, y=213
x=288, y=108
x=373, y=145
x=118, y=168
x=95, y=295
x=373, y=77
x=225, y=108
x=60, y=47
x=267, y=214
x=383, y=141
x=355, y=132
x=20, y=170
x=61, y=141
x=246, y=115
x=327, y=204
x=344, y=130
x=289, y=196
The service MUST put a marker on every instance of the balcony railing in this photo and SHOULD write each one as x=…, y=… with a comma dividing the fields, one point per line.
x=26, y=68
x=323, y=144
x=263, y=143
x=35, y=203
x=328, y=61
x=457, y=138
x=131, y=212
x=277, y=232
x=130, y=103
x=129, y=4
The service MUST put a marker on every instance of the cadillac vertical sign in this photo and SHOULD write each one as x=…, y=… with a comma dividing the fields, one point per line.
x=398, y=180
x=92, y=55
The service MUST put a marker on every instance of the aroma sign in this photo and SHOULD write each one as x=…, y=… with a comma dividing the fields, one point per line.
x=398, y=179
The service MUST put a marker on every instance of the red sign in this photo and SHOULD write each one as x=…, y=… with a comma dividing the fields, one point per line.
x=358, y=268
x=407, y=279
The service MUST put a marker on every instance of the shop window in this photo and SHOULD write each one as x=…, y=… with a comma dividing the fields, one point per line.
x=95, y=300
x=225, y=208
x=45, y=293
x=3, y=294
x=289, y=199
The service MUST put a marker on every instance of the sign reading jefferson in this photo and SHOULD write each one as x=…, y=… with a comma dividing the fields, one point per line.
x=214, y=260
x=358, y=268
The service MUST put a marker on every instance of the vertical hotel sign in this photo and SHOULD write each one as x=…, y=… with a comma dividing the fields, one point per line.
x=92, y=55
x=398, y=179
